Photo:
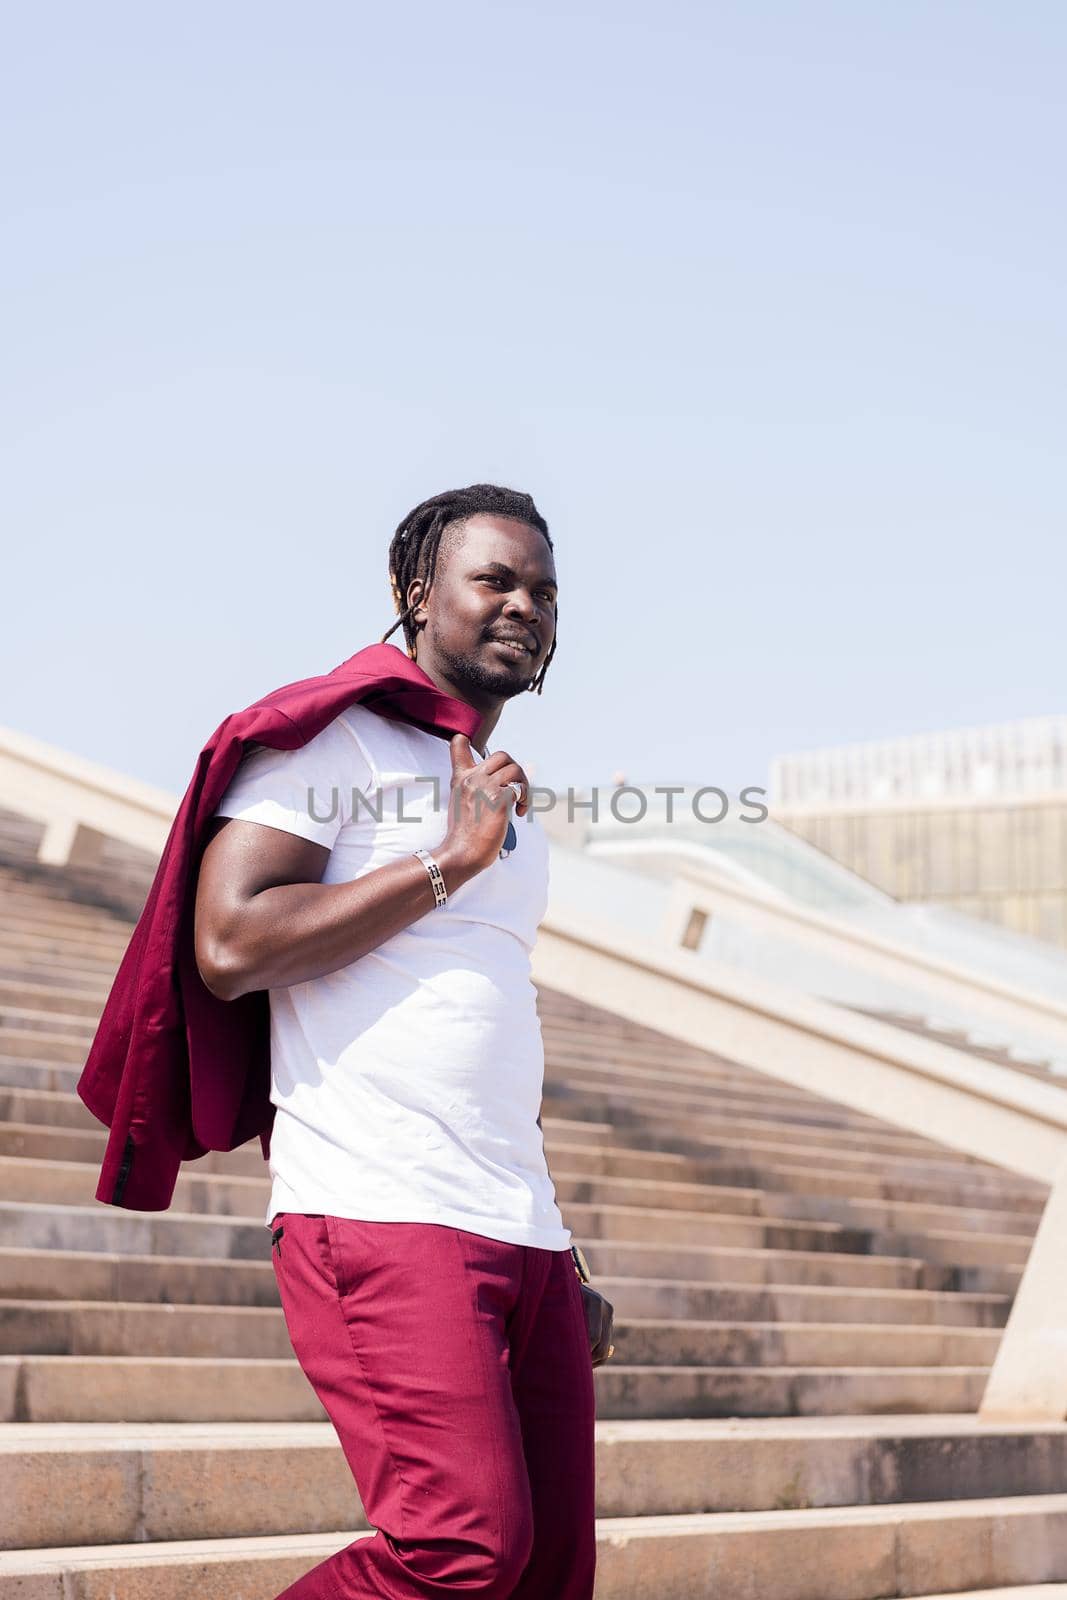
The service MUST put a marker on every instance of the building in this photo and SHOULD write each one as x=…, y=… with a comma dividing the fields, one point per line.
x=973, y=818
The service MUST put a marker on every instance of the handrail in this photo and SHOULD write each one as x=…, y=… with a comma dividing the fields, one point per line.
x=811, y=1043
x=80, y=802
x=698, y=888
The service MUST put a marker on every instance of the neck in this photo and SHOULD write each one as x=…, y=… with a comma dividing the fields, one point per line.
x=487, y=706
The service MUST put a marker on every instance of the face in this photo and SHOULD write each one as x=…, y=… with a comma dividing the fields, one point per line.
x=495, y=580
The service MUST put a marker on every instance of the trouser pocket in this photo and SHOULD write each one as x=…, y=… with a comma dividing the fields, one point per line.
x=278, y=1228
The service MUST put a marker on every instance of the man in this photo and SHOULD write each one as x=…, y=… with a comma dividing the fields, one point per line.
x=425, y=1273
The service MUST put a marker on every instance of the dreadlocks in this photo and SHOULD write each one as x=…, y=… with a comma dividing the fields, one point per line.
x=416, y=542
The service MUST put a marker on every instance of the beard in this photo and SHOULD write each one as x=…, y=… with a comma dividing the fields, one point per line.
x=475, y=672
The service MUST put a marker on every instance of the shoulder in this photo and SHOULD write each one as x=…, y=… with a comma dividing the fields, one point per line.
x=387, y=742
x=332, y=752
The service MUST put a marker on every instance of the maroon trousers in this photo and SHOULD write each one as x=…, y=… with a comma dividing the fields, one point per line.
x=456, y=1370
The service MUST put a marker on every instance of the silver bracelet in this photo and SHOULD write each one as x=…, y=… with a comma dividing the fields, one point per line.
x=440, y=893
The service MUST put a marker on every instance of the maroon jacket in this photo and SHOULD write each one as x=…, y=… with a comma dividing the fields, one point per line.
x=173, y=1071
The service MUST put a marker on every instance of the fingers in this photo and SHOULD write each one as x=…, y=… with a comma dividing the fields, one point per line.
x=599, y=1323
x=510, y=775
x=499, y=766
x=462, y=754
x=521, y=794
x=603, y=1343
x=520, y=789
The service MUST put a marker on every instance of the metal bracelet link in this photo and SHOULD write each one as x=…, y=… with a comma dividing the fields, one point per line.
x=440, y=893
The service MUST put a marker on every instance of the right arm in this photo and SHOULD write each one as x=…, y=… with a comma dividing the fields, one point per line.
x=265, y=920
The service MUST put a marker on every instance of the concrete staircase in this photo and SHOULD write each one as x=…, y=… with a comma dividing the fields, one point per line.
x=807, y=1304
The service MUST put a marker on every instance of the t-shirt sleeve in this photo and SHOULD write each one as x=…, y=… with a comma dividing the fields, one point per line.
x=306, y=791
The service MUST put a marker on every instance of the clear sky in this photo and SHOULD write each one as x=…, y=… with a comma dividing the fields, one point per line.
x=763, y=302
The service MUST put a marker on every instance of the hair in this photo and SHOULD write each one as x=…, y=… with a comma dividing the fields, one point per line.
x=415, y=545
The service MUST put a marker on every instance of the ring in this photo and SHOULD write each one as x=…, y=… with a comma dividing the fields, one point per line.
x=611, y=1349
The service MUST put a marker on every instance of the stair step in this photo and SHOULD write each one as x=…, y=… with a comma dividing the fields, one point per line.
x=28, y=1019
x=601, y=1164
x=188, y=1280
x=832, y=1269
x=36, y=1388
x=60, y=972
x=46, y=1108
x=787, y=1136
x=74, y=1183
x=41, y=1226
x=45, y=1046
x=798, y=1203
x=93, y=1327
x=597, y=1164
x=79, y=1001
x=833, y=1553
x=85, y=1144
x=1025, y=1591
x=105, y=1483
x=81, y=1275
x=94, y=1227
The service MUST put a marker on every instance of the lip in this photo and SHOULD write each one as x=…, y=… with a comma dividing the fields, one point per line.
x=515, y=644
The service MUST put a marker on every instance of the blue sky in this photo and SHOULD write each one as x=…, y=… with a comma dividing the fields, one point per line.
x=763, y=302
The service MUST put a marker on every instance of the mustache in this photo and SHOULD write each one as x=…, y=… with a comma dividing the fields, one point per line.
x=529, y=641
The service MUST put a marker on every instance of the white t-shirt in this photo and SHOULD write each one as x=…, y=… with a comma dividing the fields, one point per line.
x=407, y=1084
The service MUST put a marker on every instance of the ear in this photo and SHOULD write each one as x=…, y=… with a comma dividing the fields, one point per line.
x=415, y=598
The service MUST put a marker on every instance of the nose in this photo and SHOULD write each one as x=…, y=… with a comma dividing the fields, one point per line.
x=520, y=603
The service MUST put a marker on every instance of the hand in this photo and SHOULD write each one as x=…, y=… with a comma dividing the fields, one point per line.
x=479, y=806
x=599, y=1322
